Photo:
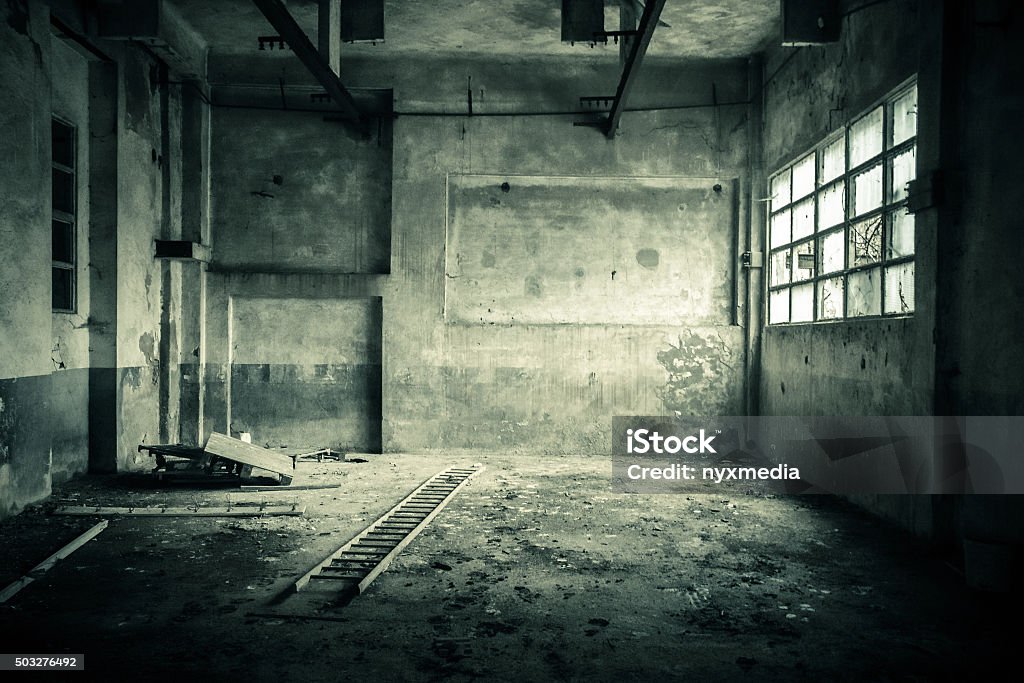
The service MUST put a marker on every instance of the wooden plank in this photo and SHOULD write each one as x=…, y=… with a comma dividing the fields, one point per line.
x=49, y=562
x=241, y=511
x=246, y=453
x=282, y=489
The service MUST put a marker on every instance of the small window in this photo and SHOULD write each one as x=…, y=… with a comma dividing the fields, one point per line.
x=841, y=240
x=65, y=214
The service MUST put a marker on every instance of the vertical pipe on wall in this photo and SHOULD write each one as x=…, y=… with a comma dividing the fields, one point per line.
x=755, y=222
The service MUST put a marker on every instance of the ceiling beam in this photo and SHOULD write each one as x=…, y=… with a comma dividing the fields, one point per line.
x=283, y=22
x=638, y=48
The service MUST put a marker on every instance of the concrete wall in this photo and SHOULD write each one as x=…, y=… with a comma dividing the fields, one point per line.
x=25, y=319
x=957, y=354
x=295, y=194
x=515, y=385
x=854, y=367
x=83, y=389
x=858, y=367
x=306, y=372
x=979, y=367
x=69, y=382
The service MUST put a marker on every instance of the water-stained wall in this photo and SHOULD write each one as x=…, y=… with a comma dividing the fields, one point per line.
x=83, y=388
x=656, y=329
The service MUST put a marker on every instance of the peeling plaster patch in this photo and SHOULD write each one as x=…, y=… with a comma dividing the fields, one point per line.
x=133, y=377
x=648, y=258
x=147, y=344
x=700, y=373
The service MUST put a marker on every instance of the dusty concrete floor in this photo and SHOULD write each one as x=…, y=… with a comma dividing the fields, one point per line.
x=552, y=577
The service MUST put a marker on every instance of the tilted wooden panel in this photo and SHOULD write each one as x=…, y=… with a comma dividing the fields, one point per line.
x=232, y=449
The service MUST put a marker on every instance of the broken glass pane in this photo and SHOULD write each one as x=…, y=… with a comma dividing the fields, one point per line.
x=901, y=234
x=803, y=218
x=830, y=299
x=864, y=293
x=833, y=160
x=867, y=190
x=832, y=252
x=803, y=304
x=866, y=242
x=781, y=266
x=780, y=229
x=831, y=205
x=803, y=261
x=778, y=307
x=903, y=168
x=803, y=177
x=866, y=138
x=904, y=116
x=899, y=288
x=780, y=189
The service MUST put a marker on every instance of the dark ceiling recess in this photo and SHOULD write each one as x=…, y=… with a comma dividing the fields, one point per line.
x=582, y=20
x=362, y=20
x=810, y=22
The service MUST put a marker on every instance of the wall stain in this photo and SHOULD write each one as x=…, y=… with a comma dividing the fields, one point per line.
x=648, y=258
x=700, y=375
x=132, y=377
x=147, y=344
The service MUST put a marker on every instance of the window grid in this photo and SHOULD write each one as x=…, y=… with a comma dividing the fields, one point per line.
x=64, y=204
x=823, y=273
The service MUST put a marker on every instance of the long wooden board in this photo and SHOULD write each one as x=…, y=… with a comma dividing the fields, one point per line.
x=49, y=562
x=246, y=453
x=240, y=511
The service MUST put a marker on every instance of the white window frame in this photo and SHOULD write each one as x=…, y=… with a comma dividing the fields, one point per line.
x=887, y=263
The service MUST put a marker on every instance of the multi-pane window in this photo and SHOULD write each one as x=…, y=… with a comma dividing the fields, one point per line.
x=64, y=201
x=841, y=243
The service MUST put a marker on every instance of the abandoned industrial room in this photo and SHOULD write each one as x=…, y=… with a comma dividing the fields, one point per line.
x=423, y=340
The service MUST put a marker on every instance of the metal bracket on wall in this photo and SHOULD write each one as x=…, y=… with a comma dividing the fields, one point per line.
x=752, y=259
x=183, y=250
x=932, y=190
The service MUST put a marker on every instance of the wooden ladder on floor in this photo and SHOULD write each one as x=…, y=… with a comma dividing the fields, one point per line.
x=357, y=563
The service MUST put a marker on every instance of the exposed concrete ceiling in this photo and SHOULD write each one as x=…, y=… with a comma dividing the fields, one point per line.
x=713, y=29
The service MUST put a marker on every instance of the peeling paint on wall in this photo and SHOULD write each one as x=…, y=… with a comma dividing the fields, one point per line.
x=702, y=370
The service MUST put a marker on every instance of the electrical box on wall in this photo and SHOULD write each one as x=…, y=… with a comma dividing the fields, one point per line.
x=362, y=21
x=810, y=22
x=581, y=19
